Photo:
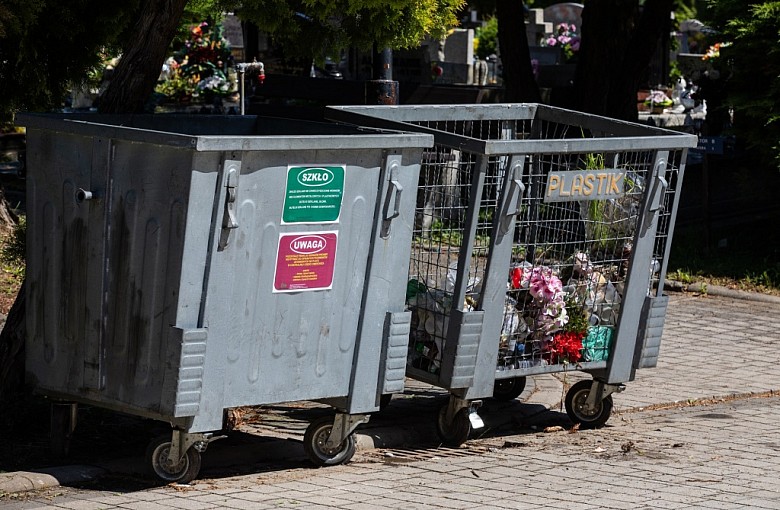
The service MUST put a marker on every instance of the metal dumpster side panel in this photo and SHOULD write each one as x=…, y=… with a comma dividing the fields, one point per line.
x=57, y=315
x=292, y=345
x=379, y=349
x=151, y=221
x=118, y=312
x=107, y=289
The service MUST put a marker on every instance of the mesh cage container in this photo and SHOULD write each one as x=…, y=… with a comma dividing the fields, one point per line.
x=180, y=266
x=540, y=245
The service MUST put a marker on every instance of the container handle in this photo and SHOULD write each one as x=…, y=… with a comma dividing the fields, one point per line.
x=229, y=221
x=394, y=187
x=656, y=201
x=516, y=192
x=397, y=203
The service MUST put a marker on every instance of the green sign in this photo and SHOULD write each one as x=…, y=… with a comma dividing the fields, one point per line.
x=313, y=194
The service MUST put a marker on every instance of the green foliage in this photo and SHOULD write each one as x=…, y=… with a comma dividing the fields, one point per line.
x=442, y=234
x=315, y=28
x=578, y=316
x=486, y=38
x=46, y=46
x=201, y=66
x=195, y=13
x=750, y=70
x=687, y=9
x=751, y=260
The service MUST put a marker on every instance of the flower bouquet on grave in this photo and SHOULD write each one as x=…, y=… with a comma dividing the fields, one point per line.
x=657, y=101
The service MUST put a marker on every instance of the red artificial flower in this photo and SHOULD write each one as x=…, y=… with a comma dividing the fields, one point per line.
x=566, y=347
x=517, y=277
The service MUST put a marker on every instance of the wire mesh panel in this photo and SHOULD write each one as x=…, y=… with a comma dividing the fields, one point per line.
x=540, y=218
x=571, y=256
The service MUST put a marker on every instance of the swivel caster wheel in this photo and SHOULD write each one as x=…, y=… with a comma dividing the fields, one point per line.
x=578, y=412
x=454, y=433
x=183, y=471
x=316, y=438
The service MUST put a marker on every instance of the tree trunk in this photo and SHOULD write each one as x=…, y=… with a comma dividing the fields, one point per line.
x=139, y=68
x=606, y=29
x=8, y=218
x=617, y=46
x=654, y=21
x=519, y=82
x=13, y=331
x=12, y=340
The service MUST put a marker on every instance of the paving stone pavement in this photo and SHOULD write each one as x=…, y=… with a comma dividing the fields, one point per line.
x=718, y=448
x=716, y=457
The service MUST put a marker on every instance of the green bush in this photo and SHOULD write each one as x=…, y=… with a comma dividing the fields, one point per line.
x=486, y=38
x=749, y=71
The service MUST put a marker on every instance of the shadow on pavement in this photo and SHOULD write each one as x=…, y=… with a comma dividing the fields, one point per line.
x=268, y=438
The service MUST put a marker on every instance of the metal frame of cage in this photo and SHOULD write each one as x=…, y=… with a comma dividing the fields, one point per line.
x=486, y=209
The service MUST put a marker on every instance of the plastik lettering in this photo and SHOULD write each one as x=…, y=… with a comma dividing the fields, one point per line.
x=585, y=185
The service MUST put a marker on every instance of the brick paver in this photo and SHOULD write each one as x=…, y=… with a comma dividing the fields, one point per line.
x=719, y=454
x=724, y=455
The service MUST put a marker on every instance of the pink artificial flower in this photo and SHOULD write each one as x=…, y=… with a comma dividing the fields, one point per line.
x=544, y=284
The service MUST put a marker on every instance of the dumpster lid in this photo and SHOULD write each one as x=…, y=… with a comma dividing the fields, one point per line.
x=606, y=133
x=226, y=133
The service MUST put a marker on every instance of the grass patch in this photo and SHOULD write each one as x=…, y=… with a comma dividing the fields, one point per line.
x=744, y=257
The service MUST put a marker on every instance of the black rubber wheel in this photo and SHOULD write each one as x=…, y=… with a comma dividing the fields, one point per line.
x=185, y=471
x=456, y=433
x=575, y=400
x=384, y=401
x=508, y=389
x=314, y=444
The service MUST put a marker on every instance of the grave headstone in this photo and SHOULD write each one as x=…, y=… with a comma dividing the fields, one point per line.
x=451, y=59
x=567, y=12
x=235, y=36
x=536, y=27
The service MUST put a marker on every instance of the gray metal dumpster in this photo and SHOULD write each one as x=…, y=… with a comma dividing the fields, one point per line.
x=541, y=242
x=182, y=265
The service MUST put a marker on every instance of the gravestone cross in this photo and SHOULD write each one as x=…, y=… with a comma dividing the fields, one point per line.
x=536, y=27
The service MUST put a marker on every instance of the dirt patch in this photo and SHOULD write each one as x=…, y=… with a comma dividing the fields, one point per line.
x=10, y=282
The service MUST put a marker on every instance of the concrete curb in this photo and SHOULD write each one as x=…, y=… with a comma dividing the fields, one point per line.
x=21, y=481
x=718, y=290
